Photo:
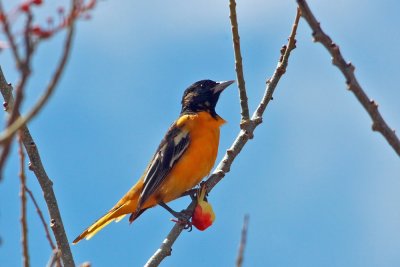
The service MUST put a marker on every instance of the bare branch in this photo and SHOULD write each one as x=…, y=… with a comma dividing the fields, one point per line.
x=24, y=225
x=40, y=213
x=347, y=69
x=238, y=64
x=46, y=184
x=55, y=258
x=10, y=36
x=242, y=138
x=46, y=229
x=10, y=131
x=24, y=68
x=6, y=90
x=243, y=239
x=166, y=246
x=224, y=166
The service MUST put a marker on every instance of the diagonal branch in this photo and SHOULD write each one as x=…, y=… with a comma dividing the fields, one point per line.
x=45, y=183
x=46, y=229
x=347, y=69
x=22, y=177
x=224, y=166
x=238, y=64
x=40, y=213
x=10, y=36
x=17, y=124
x=24, y=69
x=243, y=239
x=242, y=138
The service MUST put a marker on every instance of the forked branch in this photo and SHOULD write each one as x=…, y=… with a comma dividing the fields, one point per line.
x=242, y=138
x=45, y=183
x=347, y=69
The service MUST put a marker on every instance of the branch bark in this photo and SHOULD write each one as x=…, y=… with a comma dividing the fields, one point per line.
x=24, y=224
x=40, y=213
x=10, y=36
x=24, y=69
x=347, y=69
x=243, y=239
x=17, y=124
x=242, y=138
x=238, y=64
x=45, y=183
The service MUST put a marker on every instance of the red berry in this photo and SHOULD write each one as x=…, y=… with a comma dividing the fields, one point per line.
x=24, y=7
x=39, y=32
x=36, y=30
x=37, y=2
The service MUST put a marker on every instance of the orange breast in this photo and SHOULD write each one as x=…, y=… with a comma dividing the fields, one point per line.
x=199, y=157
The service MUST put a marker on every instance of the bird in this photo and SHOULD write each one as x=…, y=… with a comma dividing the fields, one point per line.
x=184, y=157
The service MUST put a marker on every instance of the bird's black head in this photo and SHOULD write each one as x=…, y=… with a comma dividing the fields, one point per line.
x=203, y=96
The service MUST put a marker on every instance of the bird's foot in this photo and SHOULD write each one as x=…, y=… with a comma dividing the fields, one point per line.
x=182, y=217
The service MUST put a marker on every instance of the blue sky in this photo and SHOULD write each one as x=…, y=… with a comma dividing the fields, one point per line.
x=320, y=187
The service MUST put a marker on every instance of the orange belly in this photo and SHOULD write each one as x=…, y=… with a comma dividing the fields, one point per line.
x=196, y=162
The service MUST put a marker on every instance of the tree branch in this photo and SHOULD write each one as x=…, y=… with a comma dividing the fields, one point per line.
x=54, y=259
x=46, y=229
x=243, y=239
x=10, y=131
x=24, y=225
x=242, y=138
x=40, y=213
x=166, y=246
x=16, y=122
x=46, y=184
x=224, y=166
x=24, y=68
x=347, y=69
x=9, y=35
x=238, y=64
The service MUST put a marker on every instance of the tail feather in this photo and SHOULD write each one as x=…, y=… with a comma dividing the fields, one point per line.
x=125, y=205
x=114, y=214
x=118, y=219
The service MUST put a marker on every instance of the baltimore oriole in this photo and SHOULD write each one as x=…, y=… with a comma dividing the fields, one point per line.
x=185, y=155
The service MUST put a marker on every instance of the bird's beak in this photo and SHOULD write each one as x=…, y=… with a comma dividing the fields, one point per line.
x=221, y=86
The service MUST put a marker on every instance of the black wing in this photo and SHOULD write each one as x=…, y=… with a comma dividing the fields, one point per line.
x=174, y=144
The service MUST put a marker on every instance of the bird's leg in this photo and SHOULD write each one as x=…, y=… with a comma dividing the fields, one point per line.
x=182, y=216
x=192, y=193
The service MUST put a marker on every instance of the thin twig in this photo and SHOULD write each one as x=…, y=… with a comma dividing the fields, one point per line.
x=45, y=183
x=24, y=69
x=10, y=131
x=54, y=259
x=238, y=64
x=10, y=36
x=166, y=246
x=243, y=239
x=24, y=225
x=46, y=229
x=224, y=166
x=347, y=69
x=242, y=138
x=40, y=213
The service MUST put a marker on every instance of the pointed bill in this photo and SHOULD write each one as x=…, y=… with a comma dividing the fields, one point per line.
x=221, y=86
